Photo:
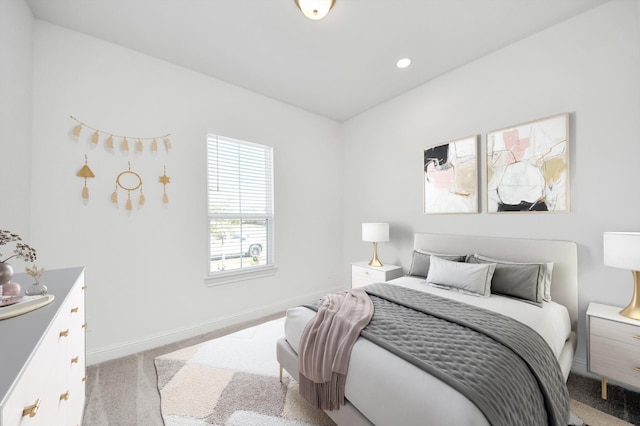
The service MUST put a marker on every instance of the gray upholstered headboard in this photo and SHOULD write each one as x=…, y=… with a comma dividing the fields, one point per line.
x=563, y=254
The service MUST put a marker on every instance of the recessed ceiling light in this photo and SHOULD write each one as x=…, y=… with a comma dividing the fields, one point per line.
x=403, y=63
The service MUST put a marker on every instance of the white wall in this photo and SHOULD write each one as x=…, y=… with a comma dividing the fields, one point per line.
x=587, y=66
x=16, y=38
x=145, y=269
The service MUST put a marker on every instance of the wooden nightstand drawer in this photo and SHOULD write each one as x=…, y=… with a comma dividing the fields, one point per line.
x=625, y=333
x=615, y=360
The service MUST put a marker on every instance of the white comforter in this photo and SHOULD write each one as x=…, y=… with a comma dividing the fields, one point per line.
x=390, y=391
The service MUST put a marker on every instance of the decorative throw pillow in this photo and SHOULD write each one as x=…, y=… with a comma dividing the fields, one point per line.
x=421, y=260
x=528, y=281
x=467, y=278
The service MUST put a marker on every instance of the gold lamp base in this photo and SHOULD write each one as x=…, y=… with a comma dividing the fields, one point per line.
x=374, y=260
x=633, y=308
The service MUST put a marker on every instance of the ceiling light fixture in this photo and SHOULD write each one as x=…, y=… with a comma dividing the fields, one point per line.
x=315, y=9
x=403, y=63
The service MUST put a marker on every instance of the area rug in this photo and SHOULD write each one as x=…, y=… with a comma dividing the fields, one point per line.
x=233, y=381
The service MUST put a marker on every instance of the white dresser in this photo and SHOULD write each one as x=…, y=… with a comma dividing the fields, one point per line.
x=363, y=274
x=614, y=346
x=42, y=356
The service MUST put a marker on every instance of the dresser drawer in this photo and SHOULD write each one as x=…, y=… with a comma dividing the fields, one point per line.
x=615, y=360
x=42, y=378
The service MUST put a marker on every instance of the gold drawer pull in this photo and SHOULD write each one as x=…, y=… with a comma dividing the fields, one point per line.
x=64, y=396
x=636, y=337
x=637, y=369
x=74, y=310
x=31, y=410
x=85, y=378
x=75, y=360
x=84, y=287
x=84, y=325
x=64, y=333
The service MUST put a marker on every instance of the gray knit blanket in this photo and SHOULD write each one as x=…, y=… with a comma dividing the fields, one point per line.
x=501, y=365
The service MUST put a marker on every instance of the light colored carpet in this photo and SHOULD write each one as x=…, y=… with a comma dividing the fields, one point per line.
x=232, y=380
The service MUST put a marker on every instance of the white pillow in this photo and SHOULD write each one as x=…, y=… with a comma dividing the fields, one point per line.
x=470, y=278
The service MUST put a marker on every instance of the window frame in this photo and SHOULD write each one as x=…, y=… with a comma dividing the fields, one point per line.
x=214, y=278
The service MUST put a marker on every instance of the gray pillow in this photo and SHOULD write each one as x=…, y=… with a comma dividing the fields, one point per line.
x=463, y=277
x=421, y=260
x=527, y=281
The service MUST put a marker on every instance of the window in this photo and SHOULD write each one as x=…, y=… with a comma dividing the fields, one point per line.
x=240, y=192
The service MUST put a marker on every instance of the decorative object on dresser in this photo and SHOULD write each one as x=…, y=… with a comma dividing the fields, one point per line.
x=613, y=346
x=375, y=233
x=622, y=250
x=10, y=291
x=363, y=274
x=37, y=288
x=43, y=377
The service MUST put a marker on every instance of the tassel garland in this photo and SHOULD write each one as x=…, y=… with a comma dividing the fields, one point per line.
x=95, y=137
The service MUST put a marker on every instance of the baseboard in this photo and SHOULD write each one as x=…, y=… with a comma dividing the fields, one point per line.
x=171, y=336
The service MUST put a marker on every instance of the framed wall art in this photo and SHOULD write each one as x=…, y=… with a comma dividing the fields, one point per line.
x=528, y=167
x=451, y=177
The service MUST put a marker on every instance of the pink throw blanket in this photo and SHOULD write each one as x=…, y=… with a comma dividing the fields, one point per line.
x=326, y=343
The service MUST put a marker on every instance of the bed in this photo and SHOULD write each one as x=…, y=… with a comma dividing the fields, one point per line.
x=383, y=389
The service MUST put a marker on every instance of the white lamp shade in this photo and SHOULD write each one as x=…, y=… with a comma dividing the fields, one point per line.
x=375, y=232
x=622, y=250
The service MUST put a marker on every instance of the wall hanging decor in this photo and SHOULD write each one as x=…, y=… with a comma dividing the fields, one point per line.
x=164, y=180
x=528, y=167
x=129, y=181
x=124, y=144
x=451, y=177
x=85, y=172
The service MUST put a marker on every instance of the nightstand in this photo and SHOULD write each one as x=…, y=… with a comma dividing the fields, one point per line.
x=362, y=274
x=614, y=346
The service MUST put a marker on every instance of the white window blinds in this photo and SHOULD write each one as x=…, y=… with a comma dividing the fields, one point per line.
x=240, y=203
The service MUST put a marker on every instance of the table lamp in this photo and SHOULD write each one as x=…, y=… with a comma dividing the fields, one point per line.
x=375, y=233
x=622, y=250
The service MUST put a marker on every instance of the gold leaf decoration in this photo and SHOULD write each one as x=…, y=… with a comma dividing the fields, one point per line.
x=167, y=143
x=142, y=199
x=165, y=198
x=125, y=145
x=139, y=146
x=110, y=142
x=95, y=137
x=85, y=193
x=154, y=145
x=114, y=197
x=77, y=130
x=129, y=204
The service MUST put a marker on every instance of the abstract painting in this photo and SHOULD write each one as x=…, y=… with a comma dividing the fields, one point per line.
x=528, y=167
x=451, y=177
